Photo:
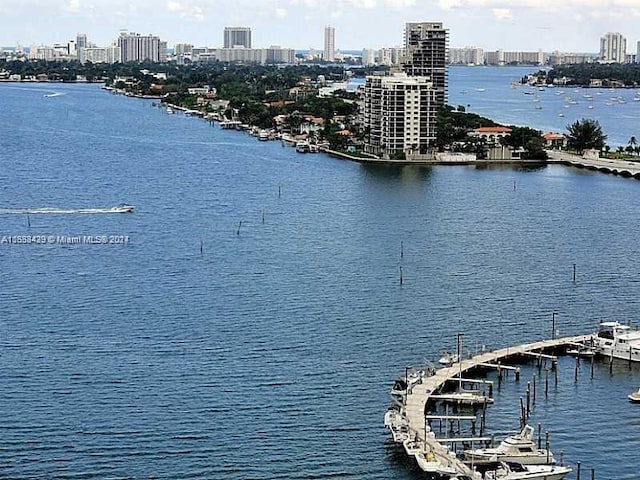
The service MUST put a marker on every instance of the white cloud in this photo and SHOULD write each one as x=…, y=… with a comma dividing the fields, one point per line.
x=73, y=6
x=186, y=12
x=502, y=14
x=193, y=13
x=449, y=4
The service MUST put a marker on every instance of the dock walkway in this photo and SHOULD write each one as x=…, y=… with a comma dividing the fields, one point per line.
x=606, y=165
x=418, y=396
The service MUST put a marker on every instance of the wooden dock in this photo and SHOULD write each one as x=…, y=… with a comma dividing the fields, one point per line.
x=419, y=394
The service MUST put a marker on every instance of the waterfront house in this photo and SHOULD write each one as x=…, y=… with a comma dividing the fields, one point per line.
x=554, y=140
x=491, y=135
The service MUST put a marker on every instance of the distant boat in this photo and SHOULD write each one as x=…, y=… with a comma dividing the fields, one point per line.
x=561, y=114
x=302, y=147
x=635, y=397
x=169, y=110
x=480, y=89
x=123, y=208
x=50, y=95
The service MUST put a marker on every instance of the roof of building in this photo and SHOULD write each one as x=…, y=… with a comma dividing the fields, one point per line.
x=553, y=136
x=492, y=130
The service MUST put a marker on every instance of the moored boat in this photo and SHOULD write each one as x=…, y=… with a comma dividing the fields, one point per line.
x=448, y=358
x=519, y=448
x=302, y=147
x=514, y=471
x=635, y=396
x=618, y=341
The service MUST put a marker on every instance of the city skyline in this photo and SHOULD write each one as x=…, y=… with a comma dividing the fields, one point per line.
x=491, y=24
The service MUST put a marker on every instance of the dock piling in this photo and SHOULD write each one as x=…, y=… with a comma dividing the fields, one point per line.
x=574, y=273
x=546, y=382
x=534, y=390
x=578, y=471
x=576, y=369
x=528, y=411
x=539, y=436
x=546, y=444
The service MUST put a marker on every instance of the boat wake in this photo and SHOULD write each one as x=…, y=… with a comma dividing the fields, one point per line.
x=55, y=94
x=65, y=211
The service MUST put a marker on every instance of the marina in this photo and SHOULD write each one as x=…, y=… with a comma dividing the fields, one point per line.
x=410, y=422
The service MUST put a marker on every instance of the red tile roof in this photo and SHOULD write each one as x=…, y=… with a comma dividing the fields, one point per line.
x=492, y=130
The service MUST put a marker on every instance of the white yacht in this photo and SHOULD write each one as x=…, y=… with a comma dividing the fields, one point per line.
x=635, y=396
x=618, y=341
x=519, y=448
x=513, y=471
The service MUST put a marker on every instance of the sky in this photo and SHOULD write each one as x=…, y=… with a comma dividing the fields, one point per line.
x=531, y=25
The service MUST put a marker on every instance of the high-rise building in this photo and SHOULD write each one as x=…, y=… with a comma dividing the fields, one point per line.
x=500, y=57
x=81, y=40
x=397, y=115
x=81, y=44
x=329, y=54
x=72, y=49
x=183, y=53
x=613, y=48
x=137, y=48
x=368, y=57
x=235, y=37
x=426, y=47
x=466, y=56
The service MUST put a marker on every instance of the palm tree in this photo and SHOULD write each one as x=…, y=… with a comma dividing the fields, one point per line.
x=632, y=144
x=584, y=134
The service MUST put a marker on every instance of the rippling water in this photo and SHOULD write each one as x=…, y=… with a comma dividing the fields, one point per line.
x=271, y=353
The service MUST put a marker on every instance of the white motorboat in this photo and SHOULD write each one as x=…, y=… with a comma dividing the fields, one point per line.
x=635, y=396
x=302, y=147
x=463, y=397
x=519, y=448
x=413, y=377
x=514, y=471
x=448, y=358
x=434, y=467
x=618, y=341
x=123, y=208
x=398, y=425
x=582, y=351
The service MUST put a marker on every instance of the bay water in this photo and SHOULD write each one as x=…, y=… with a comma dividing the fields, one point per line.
x=253, y=321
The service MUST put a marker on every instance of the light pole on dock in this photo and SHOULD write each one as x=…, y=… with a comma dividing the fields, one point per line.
x=459, y=335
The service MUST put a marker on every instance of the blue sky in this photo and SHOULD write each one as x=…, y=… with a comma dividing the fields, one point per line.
x=566, y=25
